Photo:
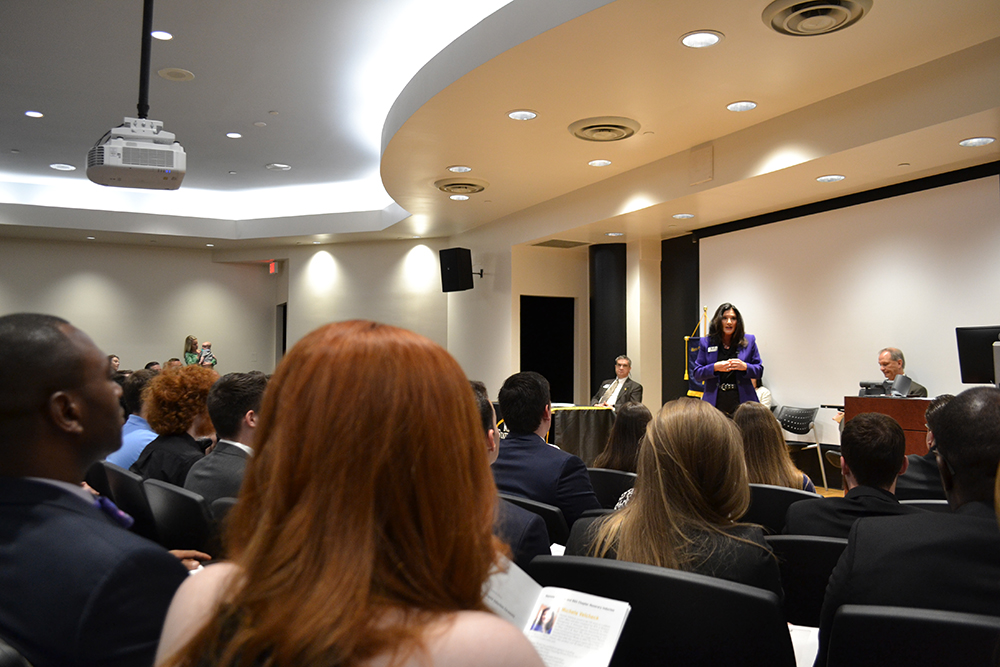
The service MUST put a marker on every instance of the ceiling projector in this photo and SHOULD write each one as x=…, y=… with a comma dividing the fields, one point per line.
x=138, y=154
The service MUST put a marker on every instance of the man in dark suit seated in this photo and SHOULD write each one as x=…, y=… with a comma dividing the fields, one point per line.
x=233, y=404
x=76, y=588
x=524, y=531
x=620, y=389
x=933, y=560
x=922, y=480
x=529, y=467
x=872, y=455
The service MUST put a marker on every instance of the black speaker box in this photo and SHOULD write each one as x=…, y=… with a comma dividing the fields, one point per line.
x=456, y=269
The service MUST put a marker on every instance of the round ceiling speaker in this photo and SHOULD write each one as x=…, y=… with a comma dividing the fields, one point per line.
x=461, y=186
x=807, y=18
x=604, y=128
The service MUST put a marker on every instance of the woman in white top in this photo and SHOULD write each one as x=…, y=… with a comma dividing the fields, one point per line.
x=363, y=532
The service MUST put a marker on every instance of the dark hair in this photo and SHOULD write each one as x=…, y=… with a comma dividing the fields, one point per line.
x=967, y=436
x=483, y=404
x=172, y=359
x=873, y=445
x=523, y=398
x=933, y=413
x=715, y=326
x=39, y=359
x=622, y=450
x=132, y=390
x=149, y=365
x=231, y=397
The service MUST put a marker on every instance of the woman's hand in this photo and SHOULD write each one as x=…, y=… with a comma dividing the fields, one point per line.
x=730, y=365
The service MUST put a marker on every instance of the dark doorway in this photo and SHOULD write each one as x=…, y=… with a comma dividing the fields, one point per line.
x=547, y=336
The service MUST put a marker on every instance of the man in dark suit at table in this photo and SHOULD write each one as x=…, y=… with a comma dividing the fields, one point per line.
x=233, y=404
x=524, y=531
x=620, y=389
x=933, y=560
x=872, y=456
x=529, y=467
x=76, y=588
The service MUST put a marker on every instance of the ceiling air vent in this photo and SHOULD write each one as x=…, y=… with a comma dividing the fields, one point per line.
x=461, y=186
x=605, y=128
x=806, y=18
x=559, y=243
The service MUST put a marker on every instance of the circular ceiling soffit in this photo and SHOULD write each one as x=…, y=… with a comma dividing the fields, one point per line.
x=175, y=74
x=604, y=128
x=807, y=18
x=461, y=186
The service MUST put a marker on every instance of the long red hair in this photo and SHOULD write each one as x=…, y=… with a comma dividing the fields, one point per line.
x=366, y=510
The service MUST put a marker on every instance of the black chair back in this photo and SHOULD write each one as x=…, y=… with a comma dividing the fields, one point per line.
x=806, y=562
x=555, y=522
x=11, y=657
x=929, y=504
x=182, y=517
x=768, y=505
x=796, y=420
x=97, y=479
x=678, y=618
x=220, y=508
x=609, y=485
x=128, y=494
x=873, y=636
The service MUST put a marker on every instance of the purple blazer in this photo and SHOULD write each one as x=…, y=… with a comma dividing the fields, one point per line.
x=704, y=370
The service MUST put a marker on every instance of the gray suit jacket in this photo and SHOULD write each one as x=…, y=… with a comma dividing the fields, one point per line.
x=219, y=474
x=630, y=393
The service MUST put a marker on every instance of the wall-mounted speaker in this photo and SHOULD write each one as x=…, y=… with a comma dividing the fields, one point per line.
x=456, y=269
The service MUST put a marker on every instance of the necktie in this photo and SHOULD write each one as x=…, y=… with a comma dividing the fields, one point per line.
x=609, y=392
x=118, y=516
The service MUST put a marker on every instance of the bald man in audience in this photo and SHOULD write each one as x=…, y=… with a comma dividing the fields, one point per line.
x=933, y=560
x=76, y=588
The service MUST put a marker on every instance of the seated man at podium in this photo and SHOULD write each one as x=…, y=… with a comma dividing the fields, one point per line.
x=892, y=364
x=620, y=389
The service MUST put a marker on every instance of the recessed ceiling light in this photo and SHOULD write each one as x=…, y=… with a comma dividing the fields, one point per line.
x=745, y=105
x=315, y=242
x=209, y=245
x=160, y=34
x=234, y=135
x=58, y=166
x=614, y=234
x=33, y=114
x=976, y=141
x=903, y=164
x=273, y=113
x=831, y=178
x=232, y=173
x=277, y=166
x=522, y=114
x=260, y=123
x=701, y=38
x=91, y=238
x=683, y=216
x=175, y=74
x=599, y=163
x=459, y=197
x=459, y=169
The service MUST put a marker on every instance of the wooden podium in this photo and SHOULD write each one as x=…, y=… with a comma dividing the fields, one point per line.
x=909, y=412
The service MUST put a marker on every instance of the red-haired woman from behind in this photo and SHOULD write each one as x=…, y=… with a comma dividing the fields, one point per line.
x=363, y=531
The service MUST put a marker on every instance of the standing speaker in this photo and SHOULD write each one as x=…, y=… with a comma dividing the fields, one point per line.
x=456, y=269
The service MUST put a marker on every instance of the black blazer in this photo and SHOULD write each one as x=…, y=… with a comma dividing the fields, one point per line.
x=168, y=458
x=921, y=480
x=931, y=560
x=630, y=393
x=75, y=587
x=833, y=517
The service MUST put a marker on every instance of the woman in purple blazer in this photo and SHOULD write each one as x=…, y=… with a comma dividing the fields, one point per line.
x=727, y=361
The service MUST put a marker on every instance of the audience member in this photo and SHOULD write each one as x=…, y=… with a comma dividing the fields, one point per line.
x=763, y=393
x=529, y=467
x=190, y=350
x=766, y=451
x=153, y=366
x=524, y=531
x=363, y=532
x=234, y=406
x=176, y=410
x=113, y=359
x=174, y=362
x=136, y=433
x=933, y=560
x=872, y=455
x=76, y=588
x=622, y=448
x=690, y=491
x=620, y=389
x=205, y=356
x=922, y=479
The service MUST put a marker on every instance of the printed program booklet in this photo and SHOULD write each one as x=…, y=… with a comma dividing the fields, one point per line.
x=566, y=627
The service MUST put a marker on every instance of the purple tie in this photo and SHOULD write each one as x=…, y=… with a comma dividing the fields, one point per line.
x=118, y=516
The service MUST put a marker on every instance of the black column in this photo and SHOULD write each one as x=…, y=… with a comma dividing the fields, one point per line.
x=679, y=310
x=608, y=328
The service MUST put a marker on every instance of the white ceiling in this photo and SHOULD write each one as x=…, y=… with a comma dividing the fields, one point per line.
x=901, y=87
